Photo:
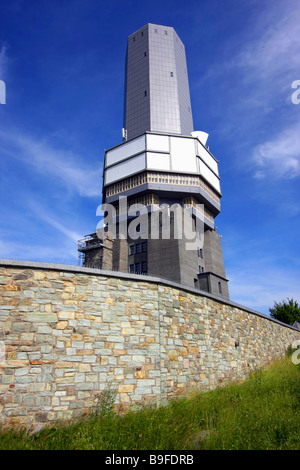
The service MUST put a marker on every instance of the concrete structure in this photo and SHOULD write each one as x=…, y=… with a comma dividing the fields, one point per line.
x=68, y=332
x=162, y=174
x=96, y=252
x=157, y=96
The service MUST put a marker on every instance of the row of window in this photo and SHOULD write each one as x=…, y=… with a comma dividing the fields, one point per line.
x=142, y=34
x=138, y=268
x=166, y=32
x=141, y=268
x=149, y=200
x=156, y=32
x=192, y=202
x=138, y=248
x=142, y=248
x=166, y=178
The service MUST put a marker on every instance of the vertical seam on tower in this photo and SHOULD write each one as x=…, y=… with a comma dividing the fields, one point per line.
x=149, y=74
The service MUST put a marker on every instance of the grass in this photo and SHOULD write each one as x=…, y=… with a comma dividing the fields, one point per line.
x=262, y=413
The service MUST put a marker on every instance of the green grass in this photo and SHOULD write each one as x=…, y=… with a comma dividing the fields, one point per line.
x=261, y=413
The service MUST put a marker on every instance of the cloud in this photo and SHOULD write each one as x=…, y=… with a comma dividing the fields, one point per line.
x=259, y=264
x=277, y=47
x=29, y=234
x=259, y=288
x=62, y=252
x=279, y=157
x=43, y=214
x=266, y=61
x=64, y=165
x=42, y=222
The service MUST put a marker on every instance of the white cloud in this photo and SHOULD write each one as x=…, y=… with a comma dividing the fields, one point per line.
x=64, y=251
x=267, y=48
x=277, y=48
x=59, y=245
x=65, y=171
x=260, y=271
x=66, y=166
x=43, y=214
x=258, y=288
x=279, y=157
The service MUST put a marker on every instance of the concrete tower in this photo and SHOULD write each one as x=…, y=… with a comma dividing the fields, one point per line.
x=157, y=90
x=161, y=171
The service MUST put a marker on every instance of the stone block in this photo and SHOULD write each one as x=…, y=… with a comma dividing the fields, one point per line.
x=116, y=339
x=41, y=317
x=66, y=315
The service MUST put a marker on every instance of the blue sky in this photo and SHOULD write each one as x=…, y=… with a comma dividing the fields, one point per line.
x=63, y=66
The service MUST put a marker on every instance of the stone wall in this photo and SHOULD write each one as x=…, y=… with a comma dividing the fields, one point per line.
x=69, y=332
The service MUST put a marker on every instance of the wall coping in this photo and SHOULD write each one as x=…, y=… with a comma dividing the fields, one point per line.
x=135, y=277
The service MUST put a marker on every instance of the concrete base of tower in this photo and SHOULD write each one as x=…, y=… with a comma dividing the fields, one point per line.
x=158, y=243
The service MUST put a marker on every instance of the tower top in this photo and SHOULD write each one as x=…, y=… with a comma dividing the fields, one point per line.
x=157, y=95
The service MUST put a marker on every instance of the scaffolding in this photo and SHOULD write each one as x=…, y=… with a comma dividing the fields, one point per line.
x=89, y=242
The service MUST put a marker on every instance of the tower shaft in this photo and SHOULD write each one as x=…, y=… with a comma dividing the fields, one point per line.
x=157, y=90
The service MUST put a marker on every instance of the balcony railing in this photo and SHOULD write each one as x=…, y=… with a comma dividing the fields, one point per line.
x=161, y=178
x=90, y=242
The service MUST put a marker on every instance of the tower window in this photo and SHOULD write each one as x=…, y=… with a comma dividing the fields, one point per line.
x=145, y=53
x=138, y=248
x=166, y=33
x=144, y=267
x=145, y=93
x=171, y=74
x=220, y=287
x=138, y=268
x=200, y=253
